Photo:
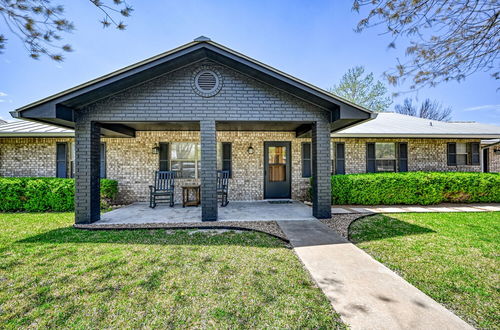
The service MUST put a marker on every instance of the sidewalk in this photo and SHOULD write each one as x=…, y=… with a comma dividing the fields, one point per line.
x=347, y=209
x=365, y=293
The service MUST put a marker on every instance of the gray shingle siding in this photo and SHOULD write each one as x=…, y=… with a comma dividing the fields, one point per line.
x=172, y=98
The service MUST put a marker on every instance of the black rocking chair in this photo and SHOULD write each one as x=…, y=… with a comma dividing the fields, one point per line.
x=222, y=187
x=163, y=188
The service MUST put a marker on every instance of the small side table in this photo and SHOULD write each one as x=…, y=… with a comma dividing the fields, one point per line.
x=187, y=192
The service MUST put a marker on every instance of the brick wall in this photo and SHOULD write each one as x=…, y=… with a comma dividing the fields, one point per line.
x=132, y=163
x=423, y=154
x=494, y=160
x=29, y=156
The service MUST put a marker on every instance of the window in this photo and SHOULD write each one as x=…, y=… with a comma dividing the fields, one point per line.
x=65, y=159
x=337, y=157
x=463, y=153
x=185, y=159
x=385, y=157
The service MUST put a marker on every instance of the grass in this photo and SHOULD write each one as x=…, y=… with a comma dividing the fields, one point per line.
x=452, y=257
x=52, y=275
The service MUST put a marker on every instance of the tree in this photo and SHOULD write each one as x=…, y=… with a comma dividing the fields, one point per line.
x=428, y=109
x=361, y=89
x=39, y=24
x=449, y=40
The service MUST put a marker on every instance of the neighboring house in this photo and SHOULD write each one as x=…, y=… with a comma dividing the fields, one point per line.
x=203, y=107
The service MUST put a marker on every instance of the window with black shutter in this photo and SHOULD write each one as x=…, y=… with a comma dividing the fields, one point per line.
x=61, y=160
x=163, y=157
x=339, y=158
x=474, y=149
x=370, y=158
x=306, y=160
x=227, y=157
x=102, y=163
x=403, y=157
x=452, y=154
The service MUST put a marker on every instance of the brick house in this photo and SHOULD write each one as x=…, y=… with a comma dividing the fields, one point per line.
x=203, y=107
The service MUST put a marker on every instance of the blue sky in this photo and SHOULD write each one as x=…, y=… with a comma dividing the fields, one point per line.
x=312, y=40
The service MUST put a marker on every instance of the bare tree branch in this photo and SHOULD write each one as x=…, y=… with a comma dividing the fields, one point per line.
x=39, y=24
x=428, y=109
x=449, y=40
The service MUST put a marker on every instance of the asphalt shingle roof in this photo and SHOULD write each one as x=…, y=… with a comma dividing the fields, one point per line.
x=388, y=124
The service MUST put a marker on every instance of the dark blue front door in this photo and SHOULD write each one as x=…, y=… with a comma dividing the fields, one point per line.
x=277, y=170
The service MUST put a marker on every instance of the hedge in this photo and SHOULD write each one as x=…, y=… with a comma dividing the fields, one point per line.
x=418, y=188
x=46, y=194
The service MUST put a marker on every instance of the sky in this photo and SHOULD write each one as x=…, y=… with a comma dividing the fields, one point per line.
x=312, y=40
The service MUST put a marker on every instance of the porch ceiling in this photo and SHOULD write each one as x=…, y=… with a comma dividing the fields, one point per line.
x=300, y=128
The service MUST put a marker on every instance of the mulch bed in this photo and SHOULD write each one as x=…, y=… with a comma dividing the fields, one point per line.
x=268, y=227
x=341, y=222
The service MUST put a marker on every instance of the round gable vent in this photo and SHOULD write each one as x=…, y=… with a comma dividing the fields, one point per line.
x=207, y=82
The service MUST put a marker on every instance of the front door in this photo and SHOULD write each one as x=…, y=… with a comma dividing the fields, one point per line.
x=277, y=170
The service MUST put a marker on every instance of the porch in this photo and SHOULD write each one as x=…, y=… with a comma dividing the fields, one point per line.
x=141, y=213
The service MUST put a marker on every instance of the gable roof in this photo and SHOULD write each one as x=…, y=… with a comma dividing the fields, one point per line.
x=57, y=109
x=389, y=124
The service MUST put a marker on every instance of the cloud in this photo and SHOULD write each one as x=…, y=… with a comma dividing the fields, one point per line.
x=3, y=94
x=494, y=107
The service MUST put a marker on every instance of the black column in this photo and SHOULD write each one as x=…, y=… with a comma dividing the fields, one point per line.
x=87, y=184
x=321, y=170
x=208, y=143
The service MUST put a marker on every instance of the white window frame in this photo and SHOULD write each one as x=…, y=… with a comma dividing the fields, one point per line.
x=196, y=159
x=394, y=157
x=461, y=153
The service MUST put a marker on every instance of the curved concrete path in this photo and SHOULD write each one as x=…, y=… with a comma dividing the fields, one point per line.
x=364, y=292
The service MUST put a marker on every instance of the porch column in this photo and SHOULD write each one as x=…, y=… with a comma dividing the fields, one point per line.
x=208, y=143
x=87, y=185
x=321, y=170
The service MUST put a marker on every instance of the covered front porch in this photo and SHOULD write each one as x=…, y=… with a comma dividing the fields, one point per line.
x=203, y=87
x=141, y=213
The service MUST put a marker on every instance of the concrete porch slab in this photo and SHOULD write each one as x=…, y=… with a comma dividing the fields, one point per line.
x=141, y=213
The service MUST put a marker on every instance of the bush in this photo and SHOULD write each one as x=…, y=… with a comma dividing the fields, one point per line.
x=419, y=188
x=46, y=194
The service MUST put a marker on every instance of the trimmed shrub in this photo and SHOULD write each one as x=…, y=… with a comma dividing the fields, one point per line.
x=46, y=194
x=418, y=188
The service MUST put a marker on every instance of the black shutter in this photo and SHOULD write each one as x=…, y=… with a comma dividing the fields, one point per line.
x=339, y=158
x=474, y=148
x=452, y=154
x=403, y=157
x=227, y=157
x=306, y=160
x=164, y=165
x=370, y=158
x=61, y=160
x=102, y=162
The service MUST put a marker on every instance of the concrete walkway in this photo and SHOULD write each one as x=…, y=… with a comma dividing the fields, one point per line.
x=364, y=292
x=346, y=209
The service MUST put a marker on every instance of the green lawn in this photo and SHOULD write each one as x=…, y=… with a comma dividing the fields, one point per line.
x=452, y=257
x=52, y=275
